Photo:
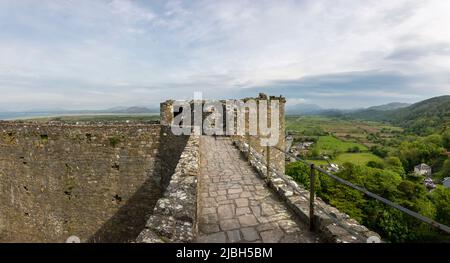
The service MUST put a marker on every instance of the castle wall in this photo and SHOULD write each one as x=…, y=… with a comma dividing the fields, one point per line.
x=277, y=158
x=99, y=182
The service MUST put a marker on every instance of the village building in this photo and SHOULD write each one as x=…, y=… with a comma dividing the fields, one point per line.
x=422, y=169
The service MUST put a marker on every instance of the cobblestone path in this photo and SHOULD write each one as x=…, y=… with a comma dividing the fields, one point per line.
x=236, y=205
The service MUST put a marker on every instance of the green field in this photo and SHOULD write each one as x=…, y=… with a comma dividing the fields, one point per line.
x=356, y=158
x=334, y=137
x=345, y=130
x=329, y=144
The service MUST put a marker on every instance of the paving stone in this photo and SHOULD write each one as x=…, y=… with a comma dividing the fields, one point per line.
x=222, y=192
x=256, y=210
x=234, y=236
x=208, y=210
x=249, y=234
x=245, y=194
x=209, y=219
x=233, y=196
x=266, y=226
x=248, y=220
x=235, y=191
x=225, y=211
x=242, y=202
x=242, y=211
x=226, y=202
x=221, y=198
x=229, y=224
x=213, y=238
x=271, y=236
x=209, y=228
x=267, y=209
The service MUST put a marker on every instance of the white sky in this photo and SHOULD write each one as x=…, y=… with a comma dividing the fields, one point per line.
x=97, y=54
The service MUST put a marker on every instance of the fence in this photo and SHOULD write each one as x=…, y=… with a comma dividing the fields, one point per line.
x=312, y=177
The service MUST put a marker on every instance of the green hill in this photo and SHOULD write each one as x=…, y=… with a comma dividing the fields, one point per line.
x=390, y=106
x=424, y=117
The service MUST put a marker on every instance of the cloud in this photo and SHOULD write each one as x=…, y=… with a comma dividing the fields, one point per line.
x=140, y=52
x=356, y=89
x=131, y=12
x=420, y=51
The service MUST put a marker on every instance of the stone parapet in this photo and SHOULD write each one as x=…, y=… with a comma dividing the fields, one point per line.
x=96, y=181
x=174, y=218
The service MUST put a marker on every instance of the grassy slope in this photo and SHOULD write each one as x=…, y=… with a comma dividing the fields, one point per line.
x=422, y=117
x=330, y=144
x=356, y=158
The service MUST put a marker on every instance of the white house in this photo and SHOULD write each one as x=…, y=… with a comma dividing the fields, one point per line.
x=446, y=182
x=333, y=168
x=422, y=169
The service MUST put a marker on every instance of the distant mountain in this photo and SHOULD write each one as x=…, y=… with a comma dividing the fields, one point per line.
x=422, y=118
x=389, y=106
x=313, y=109
x=303, y=109
x=134, y=109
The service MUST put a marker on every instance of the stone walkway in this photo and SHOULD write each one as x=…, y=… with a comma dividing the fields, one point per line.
x=235, y=204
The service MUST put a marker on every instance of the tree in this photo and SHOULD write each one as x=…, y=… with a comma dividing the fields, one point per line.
x=393, y=225
x=441, y=198
x=409, y=190
x=382, y=182
x=354, y=149
x=435, y=139
x=379, y=151
x=300, y=172
x=375, y=164
x=446, y=140
x=446, y=168
x=395, y=165
x=349, y=201
x=414, y=152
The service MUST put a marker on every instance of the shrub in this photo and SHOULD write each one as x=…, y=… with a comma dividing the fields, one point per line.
x=354, y=149
x=113, y=141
